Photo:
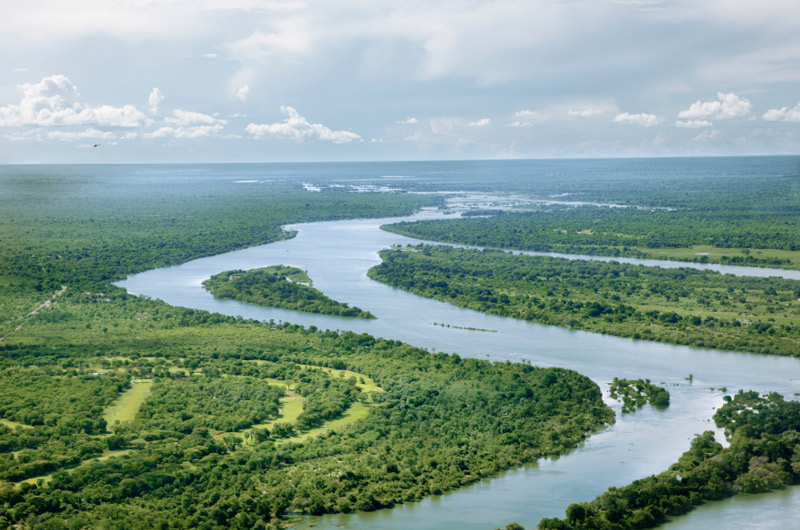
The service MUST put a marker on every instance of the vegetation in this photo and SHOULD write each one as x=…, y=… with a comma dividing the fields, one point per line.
x=764, y=454
x=201, y=450
x=123, y=412
x=637, y=393
x=741, y=211
x=278, y=286
x=677, y=306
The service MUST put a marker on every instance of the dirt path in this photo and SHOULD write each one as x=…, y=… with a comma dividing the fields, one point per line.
x=46, y=303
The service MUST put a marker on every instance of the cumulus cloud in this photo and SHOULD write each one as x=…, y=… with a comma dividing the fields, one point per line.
x=646, y=120
x=483, y=122
x=197, y=131
x=242, y=92
x=693, y=124
x=783, y=114
x=584, y=113
x=299, y=129
x=408, y=121
x=183, y=118
x=726, y=106
x=54, y=102
x=524, y=118
x=154, y=99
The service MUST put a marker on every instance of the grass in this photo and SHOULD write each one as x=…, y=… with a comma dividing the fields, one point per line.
x=102, y=458
x=363, y=382
x=13, y=424
x=124, y=409
x=356, y=412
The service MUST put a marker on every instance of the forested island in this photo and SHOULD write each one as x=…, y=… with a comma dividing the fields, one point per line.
x=678, y=306
x=278, y=286
x=636, y=393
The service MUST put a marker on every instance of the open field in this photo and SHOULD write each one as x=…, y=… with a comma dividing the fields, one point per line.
x=124, y=409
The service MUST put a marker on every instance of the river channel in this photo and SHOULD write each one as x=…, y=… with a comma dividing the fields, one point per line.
x=337, y=255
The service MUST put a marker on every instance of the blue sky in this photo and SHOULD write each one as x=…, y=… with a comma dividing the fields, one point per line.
x=283, y=80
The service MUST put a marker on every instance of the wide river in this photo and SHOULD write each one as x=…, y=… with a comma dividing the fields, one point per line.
x=337, y=256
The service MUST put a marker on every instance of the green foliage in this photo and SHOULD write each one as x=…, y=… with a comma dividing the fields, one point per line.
x=677, y=306
x=717, y=211
x=437, y=423
x=73, y=225
x=278, y=286
x=637, y=393
x=764, y=454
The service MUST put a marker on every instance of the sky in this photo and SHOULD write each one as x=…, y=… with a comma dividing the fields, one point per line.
x=121, y=81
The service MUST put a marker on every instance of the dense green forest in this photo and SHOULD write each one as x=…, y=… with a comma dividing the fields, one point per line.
x=278, y=286
x=764, y=454
x=757, y=238
x=212, y=443
x=677, y=306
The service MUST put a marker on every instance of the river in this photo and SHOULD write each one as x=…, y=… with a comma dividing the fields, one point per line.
x=337, y=255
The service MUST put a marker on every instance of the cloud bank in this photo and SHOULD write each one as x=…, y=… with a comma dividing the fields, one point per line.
x=298, y=128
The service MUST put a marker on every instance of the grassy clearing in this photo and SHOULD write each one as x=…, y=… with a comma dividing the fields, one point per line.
x=13, y=424
x=45, y=479
x=363, y=382
x=124, y=409
x=356, y=412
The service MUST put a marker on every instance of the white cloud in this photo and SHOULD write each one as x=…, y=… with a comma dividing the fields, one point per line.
x=524, y=118
x=646, y=120
x=693, y=124
x=154, y=99
x=242, y=92
x=54, y=101
x=483, y=122
x=707, y=136
x=198, y=131
x=584, y=113
x=408, y=121
x=81, y=135
x=783, y=114
x=299, y=129
x=726, y=106
x=183, y=118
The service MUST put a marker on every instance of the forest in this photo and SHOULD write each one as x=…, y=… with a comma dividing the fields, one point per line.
x=212, y=444
x=677, y=306
x=278, y=286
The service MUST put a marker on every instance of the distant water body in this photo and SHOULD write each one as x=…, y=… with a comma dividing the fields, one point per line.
x=337, y=255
